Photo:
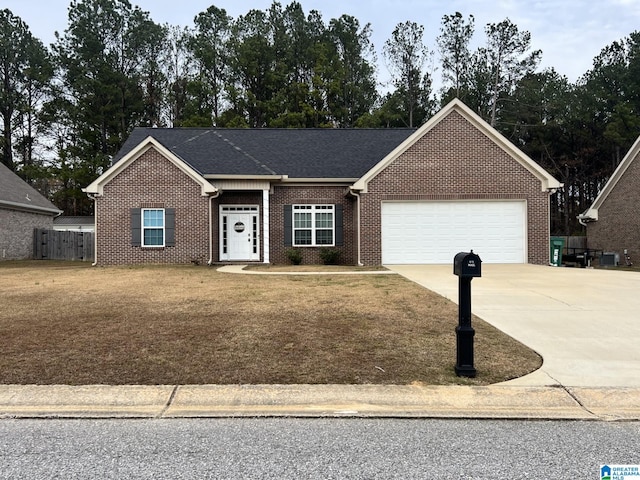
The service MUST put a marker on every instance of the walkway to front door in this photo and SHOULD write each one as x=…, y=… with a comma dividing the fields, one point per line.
x=239, y=233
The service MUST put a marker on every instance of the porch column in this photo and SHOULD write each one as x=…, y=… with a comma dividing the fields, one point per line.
x=265, y=225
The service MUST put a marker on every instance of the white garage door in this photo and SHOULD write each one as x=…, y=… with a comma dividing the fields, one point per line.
x=433, y=232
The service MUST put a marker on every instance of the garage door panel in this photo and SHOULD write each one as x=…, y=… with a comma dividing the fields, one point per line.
x=433, y=232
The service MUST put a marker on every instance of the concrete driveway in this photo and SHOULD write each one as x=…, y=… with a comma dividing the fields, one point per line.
x=585, y=323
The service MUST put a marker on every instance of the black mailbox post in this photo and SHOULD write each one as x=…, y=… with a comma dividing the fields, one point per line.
x=467, y=266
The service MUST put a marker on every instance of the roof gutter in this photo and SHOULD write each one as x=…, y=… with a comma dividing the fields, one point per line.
x=555, y=188
x=22, y=206
x=322, y=180
x=281, y=178
x=212, y=176
x=590, y=215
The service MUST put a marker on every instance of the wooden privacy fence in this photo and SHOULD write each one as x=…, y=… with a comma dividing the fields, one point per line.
x=58, y=245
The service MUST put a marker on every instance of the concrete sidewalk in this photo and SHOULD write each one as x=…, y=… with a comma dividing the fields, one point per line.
x=241, y=270
x=412, y=401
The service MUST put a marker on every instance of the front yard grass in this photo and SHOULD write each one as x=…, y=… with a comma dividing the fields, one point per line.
x=70, y=323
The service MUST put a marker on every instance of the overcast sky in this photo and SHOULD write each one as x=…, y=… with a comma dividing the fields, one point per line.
x=570, y=33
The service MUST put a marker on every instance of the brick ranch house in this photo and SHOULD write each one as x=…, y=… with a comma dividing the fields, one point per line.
x=379, y=196
x=22, y=209
x=613, y=223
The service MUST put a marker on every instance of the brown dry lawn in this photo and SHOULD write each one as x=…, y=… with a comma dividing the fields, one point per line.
x=70, y=323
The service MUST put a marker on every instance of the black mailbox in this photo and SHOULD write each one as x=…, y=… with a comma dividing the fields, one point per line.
x=467, y=264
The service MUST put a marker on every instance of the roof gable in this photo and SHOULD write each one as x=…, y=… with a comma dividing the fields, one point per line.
x=97, y=186
x=15, y=193
x=547, y=181
x=592, y=212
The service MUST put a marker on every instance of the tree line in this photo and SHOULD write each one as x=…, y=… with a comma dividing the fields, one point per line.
x=66, y=109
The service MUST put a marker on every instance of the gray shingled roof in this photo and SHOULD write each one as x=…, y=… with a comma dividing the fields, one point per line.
x=15, y=193
x=298, y=153
x=74, y=220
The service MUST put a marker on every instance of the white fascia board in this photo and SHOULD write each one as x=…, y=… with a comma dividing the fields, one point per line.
x=592, y=212
x=97, y=186
x=589, y=215
x=548, y=182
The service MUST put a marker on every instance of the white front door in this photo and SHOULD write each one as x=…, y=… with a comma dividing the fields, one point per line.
x=239, y=237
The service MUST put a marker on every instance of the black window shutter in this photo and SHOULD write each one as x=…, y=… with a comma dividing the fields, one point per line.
x=136, y=227
x=288, y=225
x=339, y=229
x=170, y=227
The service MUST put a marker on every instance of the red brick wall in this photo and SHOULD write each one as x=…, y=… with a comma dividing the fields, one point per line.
x=287, y=195
x=152, y=181
x=455, y=161
x=618, y=225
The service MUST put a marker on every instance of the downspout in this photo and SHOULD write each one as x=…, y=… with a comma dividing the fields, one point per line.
x=266, y=238
x=582, y=220
x=211, y=197
x=95, y=230
x=357, y=195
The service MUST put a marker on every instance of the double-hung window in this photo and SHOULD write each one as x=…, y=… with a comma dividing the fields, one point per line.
x=153, y=227
x=313, y=225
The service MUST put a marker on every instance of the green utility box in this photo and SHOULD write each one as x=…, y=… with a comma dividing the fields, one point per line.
x=557, y=246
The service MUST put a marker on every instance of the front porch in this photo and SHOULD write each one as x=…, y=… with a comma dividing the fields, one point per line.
x=240, y=225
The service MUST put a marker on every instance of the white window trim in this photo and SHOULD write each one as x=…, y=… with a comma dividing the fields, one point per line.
x=143, y=228
x=313, y=209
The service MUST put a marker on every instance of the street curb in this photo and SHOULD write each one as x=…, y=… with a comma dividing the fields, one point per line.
x=375, y=401
x=379, y=401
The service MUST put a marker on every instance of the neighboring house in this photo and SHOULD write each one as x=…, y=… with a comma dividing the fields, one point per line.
x=66, y=223
x=22, y=209
x=379, y=196
x=613, y=223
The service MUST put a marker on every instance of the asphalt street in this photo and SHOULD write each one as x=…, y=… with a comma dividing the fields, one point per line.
x=290, y=448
